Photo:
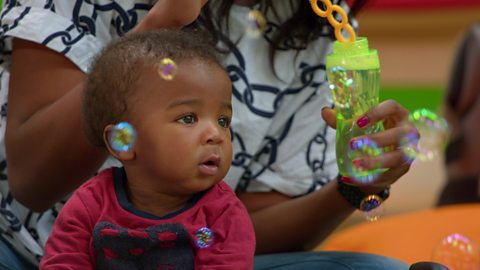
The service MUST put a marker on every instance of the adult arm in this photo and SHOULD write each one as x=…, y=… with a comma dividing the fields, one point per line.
x=48, y=154
x=291, y=224
x=171, y=14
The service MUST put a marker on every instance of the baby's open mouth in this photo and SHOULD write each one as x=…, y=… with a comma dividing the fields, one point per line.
x=210, y=166
x=213, y=162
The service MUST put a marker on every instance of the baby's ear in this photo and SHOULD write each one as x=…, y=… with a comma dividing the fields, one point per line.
x=123, y=151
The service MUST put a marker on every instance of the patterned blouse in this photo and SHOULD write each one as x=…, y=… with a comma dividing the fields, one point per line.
x=280, y=140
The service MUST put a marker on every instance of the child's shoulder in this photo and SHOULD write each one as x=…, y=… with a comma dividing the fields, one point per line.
x=101, y=176
x=221, y=189
x=220, y=195
x=103, y=180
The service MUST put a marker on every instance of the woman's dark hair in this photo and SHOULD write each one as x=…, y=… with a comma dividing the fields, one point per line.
x=303, y=27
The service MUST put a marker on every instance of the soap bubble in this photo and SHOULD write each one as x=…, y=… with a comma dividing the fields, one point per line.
x=256, y=23
x=434, y=134
x=372, y=207
x=167, y=69
x=204, y=237
x=409, y=145
x=367, y=149
x=457, y=252
x=122, y=137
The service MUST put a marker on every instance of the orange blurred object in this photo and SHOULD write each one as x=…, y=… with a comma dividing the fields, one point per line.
x=411, y=237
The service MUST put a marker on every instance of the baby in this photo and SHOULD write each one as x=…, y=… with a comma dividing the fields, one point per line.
x=160, y=103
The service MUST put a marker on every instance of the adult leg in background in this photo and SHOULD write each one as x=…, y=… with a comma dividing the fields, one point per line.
x=11, y=260
x=330, y=260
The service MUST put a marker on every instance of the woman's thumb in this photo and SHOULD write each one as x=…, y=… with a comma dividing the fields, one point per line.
x=330, y=116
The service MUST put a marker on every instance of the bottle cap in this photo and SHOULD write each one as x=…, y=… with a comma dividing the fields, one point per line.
x=353, y=55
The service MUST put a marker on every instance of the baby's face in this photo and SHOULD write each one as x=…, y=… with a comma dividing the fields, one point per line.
x=183, y=138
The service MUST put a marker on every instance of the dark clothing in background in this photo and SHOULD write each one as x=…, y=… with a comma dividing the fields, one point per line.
x=462, y=111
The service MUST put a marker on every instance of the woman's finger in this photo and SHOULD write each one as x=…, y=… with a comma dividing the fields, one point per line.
x=390, y=137
x=388, y=160
x=391, y=176
x=388, y=111
x=382, y=180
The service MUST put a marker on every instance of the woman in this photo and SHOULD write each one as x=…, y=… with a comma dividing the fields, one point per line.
x=282, y=148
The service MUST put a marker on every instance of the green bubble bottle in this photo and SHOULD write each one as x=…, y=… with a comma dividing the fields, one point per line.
x=353, y=72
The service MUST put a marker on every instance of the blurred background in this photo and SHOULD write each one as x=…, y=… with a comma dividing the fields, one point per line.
x=417, y=41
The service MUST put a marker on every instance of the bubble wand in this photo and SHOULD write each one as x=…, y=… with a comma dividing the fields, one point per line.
x=337, y=25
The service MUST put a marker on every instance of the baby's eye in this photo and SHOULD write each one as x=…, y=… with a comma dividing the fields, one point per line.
x=187, y=119
x=224, y=121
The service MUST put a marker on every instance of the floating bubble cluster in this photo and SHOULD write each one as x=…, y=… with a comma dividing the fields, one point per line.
x=256, y=23
x=364, y=149
x=204, y=237
x=122, y=137
x=409, y=145
x=457, y=252
x=167, y=69
x=433, y=131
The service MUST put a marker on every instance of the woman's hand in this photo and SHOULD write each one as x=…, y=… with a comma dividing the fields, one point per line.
x=396, y=126
x=171, y=14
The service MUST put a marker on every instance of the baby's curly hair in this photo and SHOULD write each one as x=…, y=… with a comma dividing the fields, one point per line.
x=115, y=72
